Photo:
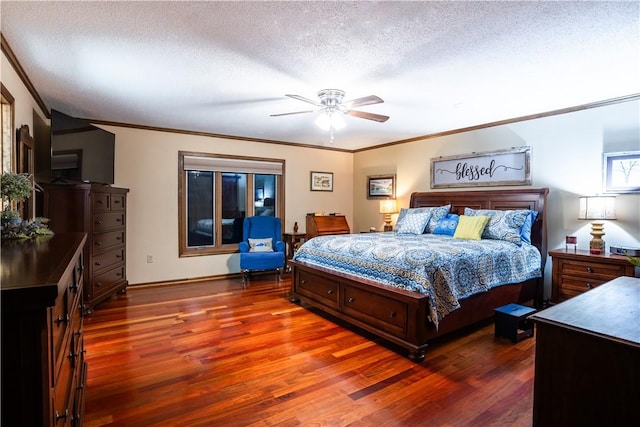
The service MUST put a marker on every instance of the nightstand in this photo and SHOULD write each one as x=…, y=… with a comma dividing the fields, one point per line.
x=292, y=241
x=575, y=272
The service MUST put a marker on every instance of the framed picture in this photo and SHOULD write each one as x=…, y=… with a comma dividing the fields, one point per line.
x=491, y=168
x=321, y=181
x=621, y=172
x=381, y=187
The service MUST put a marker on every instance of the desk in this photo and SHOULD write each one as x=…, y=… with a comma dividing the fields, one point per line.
x=292, y=241
x=587, y=361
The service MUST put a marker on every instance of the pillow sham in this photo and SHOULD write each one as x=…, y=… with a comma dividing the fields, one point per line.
x=435, y=212
x=260, y=245
x=447, y=225
x=503, y=225
x=470, y=227
x=413, y=223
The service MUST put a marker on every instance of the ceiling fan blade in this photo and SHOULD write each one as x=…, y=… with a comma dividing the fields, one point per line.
x=365, y=100
x=289, y=114
x=303, y=99
x=369, y=116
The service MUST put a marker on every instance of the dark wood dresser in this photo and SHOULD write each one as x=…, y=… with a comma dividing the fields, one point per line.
x=101, y=212
x=321, y=225
x=43, y=367
x=587, y=365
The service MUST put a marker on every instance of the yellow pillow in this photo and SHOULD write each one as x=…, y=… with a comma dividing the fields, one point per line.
x=471, y=227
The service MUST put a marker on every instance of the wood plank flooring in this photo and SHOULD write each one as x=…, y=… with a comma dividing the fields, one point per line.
x=215, y=354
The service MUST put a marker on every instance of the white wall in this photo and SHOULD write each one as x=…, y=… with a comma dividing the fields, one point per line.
x=566, y=157
x=147, y=163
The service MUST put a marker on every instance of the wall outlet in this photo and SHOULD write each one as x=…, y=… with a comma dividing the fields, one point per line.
x=149, y=259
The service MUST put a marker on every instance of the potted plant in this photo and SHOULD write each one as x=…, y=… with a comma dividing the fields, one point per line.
x=635, y=260
x=14, y=188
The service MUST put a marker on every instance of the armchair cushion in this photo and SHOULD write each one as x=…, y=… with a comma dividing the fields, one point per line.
x=260, y=245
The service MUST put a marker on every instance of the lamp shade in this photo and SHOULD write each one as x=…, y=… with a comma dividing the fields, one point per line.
x=388, y=206
x=328, y=120
x=597, y=207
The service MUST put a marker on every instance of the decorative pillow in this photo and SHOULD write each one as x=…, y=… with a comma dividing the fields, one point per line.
x=503, y=225
x=435, y=214
x=525, y=231
x=470, y=227
x=260, y=245
x=413, y=223
x=447, y=225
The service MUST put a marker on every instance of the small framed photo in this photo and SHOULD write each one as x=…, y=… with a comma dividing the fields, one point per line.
x=381, y=187
x=321, y=181
x=621, y=172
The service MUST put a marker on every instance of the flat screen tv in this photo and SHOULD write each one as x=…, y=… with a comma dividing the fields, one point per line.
x=80, y=151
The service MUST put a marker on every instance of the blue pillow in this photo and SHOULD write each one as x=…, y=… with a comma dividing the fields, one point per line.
x=525, y=231
x=447, y=225
x=435, y=213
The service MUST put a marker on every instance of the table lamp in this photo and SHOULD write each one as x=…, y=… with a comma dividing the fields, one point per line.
x=597, y=208
x=388, y=207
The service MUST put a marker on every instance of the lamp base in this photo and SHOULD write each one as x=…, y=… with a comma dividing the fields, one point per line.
x=388, y=227
x=596, y=245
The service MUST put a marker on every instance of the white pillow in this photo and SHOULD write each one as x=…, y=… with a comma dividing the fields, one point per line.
x=260, y=245
x=413, y=223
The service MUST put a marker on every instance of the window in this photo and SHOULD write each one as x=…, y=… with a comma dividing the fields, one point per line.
x=217, y=192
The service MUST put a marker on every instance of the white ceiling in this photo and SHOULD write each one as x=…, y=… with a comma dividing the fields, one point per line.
x=224, y=67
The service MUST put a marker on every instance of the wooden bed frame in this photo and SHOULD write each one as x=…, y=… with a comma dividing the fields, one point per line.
x=400, y=316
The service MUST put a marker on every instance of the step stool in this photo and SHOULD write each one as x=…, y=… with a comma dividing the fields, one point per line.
x=511, y=322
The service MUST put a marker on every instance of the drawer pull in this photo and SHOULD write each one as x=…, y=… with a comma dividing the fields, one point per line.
x=101, y=202
x=60, y=416
x=118, y=238
x=98, y=222
x=97, y=263
x=61, y=319
x=118, y=220
x=98, y=243
x=118, y=274
x=589, y=270
x=589, y=286
x=393, y=314
x=303, y=281
x=330, y=291
x=118, y=256
x=351, y=299
x=116, y=201
x=98, y=283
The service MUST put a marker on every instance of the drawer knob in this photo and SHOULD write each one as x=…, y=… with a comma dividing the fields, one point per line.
x=303, y=281
x=589, y=286
x=118, y=220
x=351, y=299
x=61, y=319
x=98, y=283
x=97, y=263
x=98, y=243
x=393, y=314
x=64, y=415
x=98, y=222
x=118, y=238
x=589, y=270
x=330, y=291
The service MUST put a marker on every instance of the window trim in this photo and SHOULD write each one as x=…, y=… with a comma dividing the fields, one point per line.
x=219, y=248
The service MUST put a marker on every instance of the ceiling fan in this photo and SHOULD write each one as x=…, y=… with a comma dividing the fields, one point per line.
x=330, y=102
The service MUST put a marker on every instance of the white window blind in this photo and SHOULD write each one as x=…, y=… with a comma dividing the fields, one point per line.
x=223, y=164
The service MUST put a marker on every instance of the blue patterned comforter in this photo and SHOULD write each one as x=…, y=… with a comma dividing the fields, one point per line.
x=445, y=269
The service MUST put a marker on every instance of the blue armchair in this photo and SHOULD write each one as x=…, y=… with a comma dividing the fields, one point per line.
x=262, y=247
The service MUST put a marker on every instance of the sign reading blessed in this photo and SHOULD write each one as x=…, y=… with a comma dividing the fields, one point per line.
x=504, y=167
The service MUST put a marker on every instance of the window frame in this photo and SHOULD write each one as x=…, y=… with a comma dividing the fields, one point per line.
x=218, y=247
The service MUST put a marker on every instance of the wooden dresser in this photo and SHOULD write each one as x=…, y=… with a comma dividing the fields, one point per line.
x=575, y=272
x=320, y=225
x=587, y=362
x=101, y=212
x=43, y=367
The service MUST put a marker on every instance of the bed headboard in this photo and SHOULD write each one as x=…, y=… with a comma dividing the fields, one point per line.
x=528, y=198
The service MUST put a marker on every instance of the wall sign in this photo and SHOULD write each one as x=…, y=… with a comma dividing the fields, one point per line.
x=503, y=167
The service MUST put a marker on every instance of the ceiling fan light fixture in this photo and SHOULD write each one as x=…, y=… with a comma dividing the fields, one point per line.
x=330, y=120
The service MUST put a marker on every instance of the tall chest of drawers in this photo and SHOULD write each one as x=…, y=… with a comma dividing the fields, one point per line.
x=575, y=272
x=43, y=367
x=101, y=212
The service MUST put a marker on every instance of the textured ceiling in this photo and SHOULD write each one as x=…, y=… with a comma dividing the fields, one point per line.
x=224, y=67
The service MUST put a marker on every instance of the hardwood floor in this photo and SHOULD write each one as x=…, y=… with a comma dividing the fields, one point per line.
x=215, y=354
